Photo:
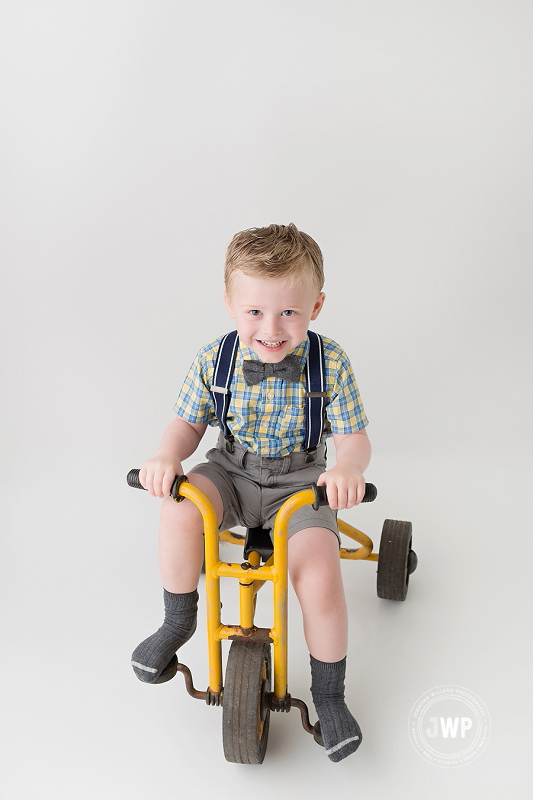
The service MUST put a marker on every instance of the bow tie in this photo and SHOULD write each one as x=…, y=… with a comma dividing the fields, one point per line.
x=256, y=371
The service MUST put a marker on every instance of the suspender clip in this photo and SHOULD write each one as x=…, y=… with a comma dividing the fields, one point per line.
x=310, y=454
x=230, y=447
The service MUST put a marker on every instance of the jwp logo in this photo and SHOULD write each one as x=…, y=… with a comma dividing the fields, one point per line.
x=449, y=726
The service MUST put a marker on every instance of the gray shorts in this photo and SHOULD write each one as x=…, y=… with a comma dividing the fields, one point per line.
x=253, y=488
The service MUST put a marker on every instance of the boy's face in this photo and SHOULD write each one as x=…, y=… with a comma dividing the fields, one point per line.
x=271, y=317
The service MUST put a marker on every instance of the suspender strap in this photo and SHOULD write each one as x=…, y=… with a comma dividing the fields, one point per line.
x=224, y=366
x=316, y=394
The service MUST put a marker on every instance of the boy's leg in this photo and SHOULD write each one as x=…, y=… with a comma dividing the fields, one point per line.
x=181, y=541
x=314, y=568
x=180, y=559
x=315, y=573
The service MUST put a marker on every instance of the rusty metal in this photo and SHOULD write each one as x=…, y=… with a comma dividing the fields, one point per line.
x=283, y=704
x=288, y=702
x=304, y=711
x=251, y=634
x=211, y=698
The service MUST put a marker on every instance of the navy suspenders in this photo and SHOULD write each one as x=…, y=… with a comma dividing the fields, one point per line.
x=315, y=385
x=224, y=366
x=315, y=399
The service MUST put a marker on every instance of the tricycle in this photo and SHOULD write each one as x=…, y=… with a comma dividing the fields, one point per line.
x=251, y=689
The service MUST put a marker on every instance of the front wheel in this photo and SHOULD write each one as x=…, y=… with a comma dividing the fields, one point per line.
x=245, y=706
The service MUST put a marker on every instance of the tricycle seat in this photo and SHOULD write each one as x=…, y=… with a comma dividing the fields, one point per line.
x=258, y=540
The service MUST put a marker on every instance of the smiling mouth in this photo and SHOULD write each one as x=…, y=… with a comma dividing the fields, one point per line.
x=272, y=345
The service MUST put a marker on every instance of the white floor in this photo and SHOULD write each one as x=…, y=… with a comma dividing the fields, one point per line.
x=77, y=724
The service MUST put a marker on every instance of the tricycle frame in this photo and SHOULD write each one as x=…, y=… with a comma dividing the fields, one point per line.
x=396, y=561
x=251, y=576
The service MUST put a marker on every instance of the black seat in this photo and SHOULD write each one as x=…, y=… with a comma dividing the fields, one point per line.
x=258, y=539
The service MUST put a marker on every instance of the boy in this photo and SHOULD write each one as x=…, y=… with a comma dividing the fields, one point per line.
x=273, y=278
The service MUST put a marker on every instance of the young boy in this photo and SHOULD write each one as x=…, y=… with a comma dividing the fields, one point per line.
x=273, y=278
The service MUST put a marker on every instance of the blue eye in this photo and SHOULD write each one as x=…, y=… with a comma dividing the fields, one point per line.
x=254, y=312
x=287, y=313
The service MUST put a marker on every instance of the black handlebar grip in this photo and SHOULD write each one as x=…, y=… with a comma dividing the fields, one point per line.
x=322, y=498
x=133, y=479
x=370, y=493
x=320, y=495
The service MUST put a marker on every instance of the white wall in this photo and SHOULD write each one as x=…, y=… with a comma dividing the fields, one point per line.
x=136, y=139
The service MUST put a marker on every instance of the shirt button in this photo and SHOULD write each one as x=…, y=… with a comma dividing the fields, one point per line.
x=270, y=394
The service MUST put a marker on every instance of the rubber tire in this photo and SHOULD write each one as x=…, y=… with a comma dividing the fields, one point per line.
x=245, y=709
x=393, y=577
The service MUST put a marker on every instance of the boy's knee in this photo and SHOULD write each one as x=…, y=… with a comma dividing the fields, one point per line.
x=314, y=563
x=184, y=513
x=314, y=549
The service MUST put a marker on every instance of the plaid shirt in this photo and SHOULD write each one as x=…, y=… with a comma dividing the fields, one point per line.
x=268, y=418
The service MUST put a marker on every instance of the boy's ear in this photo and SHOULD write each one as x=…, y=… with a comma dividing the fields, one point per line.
x=317, y=308
x=228, y=305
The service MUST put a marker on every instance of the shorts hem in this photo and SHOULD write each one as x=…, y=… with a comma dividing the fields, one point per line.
x=314, y=522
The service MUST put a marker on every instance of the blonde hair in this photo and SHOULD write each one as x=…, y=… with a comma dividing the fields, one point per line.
x=278, y=251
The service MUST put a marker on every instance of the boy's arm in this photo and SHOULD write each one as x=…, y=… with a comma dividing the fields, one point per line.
x=179, y=441
x=344, y=482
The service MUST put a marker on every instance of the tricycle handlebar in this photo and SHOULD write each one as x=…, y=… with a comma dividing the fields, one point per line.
x=320, y=491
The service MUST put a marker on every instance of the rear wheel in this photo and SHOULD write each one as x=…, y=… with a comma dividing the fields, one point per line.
x=395, y=559
x=245, y=707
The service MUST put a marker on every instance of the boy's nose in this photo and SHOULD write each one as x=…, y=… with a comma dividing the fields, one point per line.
x=271, y=335
x=271, y=330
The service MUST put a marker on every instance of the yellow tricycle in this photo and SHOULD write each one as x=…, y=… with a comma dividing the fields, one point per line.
x=249, y=692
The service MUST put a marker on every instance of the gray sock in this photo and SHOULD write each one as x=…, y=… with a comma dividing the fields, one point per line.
x=151, y=657
x=339, y=730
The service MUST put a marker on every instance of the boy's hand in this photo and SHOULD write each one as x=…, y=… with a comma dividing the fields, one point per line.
x=345, y=486
x=178, y=442
x=158, y=474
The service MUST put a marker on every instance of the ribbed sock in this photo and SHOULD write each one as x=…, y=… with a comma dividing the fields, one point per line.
x=339, y=730
x=151, y=657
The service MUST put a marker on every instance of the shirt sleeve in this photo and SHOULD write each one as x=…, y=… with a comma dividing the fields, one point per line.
x=345, y=412
x=195, y=403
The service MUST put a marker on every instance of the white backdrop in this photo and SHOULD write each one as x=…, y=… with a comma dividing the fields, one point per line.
x=136, y=139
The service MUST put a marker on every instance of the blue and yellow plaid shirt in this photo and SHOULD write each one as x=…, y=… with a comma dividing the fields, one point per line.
x=268, y=418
